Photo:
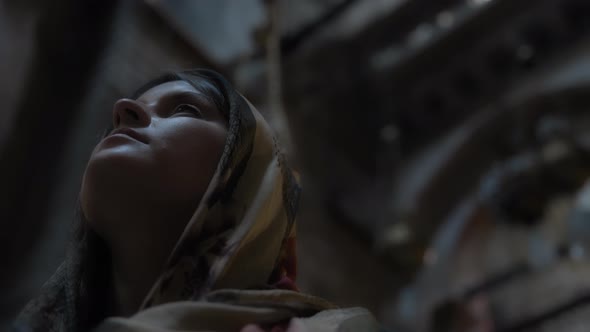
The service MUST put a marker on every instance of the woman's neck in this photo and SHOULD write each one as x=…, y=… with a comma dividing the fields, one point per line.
x=138, y=256
x=133, y=273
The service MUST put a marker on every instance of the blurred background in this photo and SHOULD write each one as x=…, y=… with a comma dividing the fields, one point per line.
x=444, y=145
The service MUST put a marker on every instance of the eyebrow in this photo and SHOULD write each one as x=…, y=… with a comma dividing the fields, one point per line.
x=202, y=101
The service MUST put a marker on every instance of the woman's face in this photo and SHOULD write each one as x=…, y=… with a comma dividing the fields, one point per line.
x=155, y=165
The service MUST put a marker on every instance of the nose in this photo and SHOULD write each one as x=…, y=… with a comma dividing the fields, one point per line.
x=130, y=113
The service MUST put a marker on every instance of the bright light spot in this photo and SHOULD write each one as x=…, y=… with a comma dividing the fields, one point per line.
x=421, y=34
x=479, y=2
x=445, y=19
x=398, y=234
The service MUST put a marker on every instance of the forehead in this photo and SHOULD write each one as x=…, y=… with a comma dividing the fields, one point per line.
x=165, y=89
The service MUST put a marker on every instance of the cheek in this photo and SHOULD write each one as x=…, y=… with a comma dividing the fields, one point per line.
x=191, y=160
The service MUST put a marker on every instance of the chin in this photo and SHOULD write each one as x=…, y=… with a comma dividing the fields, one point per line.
x=117, y=147
x=112, y=181
x=120, y=162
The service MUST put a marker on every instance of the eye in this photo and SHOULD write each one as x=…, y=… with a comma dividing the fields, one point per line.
x=190, y=109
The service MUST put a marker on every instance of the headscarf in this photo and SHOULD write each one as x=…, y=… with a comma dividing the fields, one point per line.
x=235, y=262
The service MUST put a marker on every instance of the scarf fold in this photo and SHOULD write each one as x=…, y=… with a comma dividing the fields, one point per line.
x=243, y=310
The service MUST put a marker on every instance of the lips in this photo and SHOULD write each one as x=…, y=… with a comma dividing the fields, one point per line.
x=131, y=133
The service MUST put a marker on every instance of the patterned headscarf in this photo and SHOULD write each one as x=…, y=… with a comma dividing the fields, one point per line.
x=234, y=263
x=242, y=234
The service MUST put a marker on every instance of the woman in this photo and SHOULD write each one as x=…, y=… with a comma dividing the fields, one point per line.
x=187, y=223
